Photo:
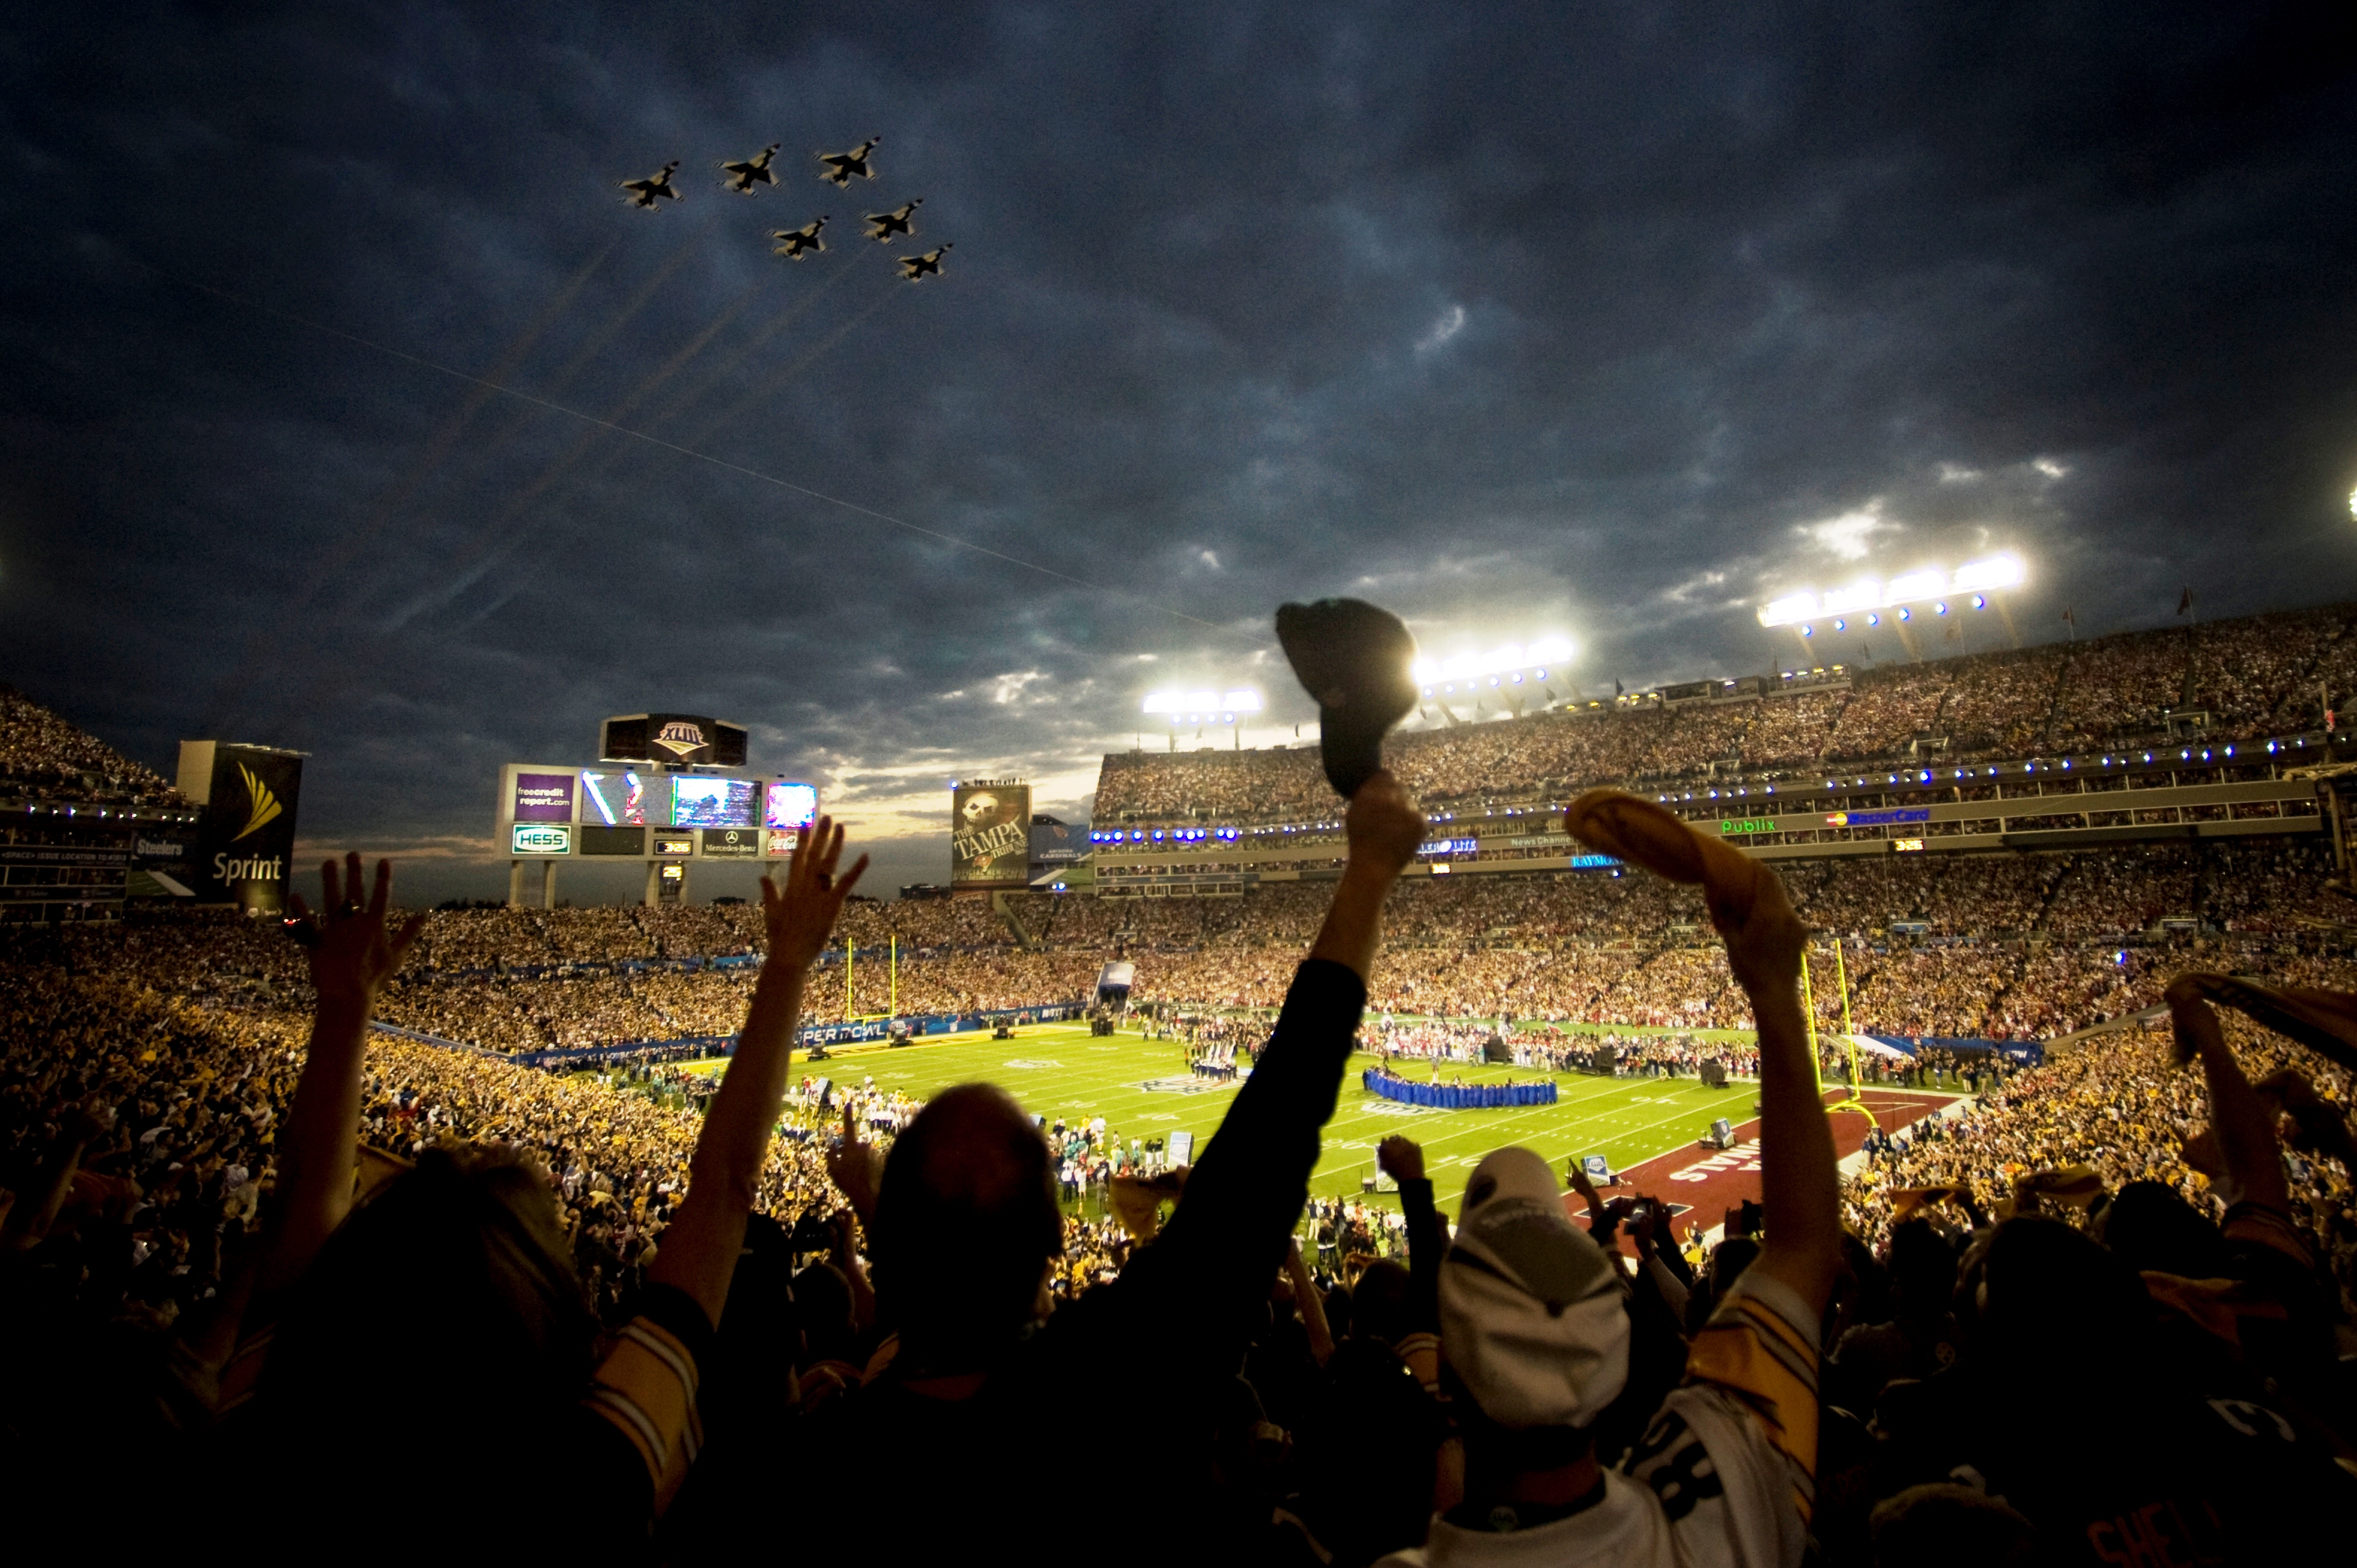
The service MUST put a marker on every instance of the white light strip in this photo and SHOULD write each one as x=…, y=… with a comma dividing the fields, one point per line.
x=1910, y=588
x=1497, y=661
x=1242, y=700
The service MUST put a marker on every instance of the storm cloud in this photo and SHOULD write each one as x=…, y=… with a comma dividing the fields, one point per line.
x=347, y=406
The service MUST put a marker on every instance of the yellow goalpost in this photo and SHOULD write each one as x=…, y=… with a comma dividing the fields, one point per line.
x=1856, y=1102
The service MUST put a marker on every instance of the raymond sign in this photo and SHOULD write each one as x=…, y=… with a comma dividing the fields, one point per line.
x=990, y=834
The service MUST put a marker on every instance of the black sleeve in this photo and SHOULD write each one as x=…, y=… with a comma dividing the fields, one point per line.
x=1665, y=1247
x=1426, y=1244
x=1205, y=1280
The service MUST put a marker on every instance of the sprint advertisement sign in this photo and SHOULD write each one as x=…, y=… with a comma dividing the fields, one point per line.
x=245, y=845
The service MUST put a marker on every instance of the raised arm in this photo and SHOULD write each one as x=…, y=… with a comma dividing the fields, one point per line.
x=2245, y=1130
x=352, y=956
x=28, y=1221
x=1308, y=1302
x=1402, y=1159
x=699, y=1249
x=1247, y=1188
x=1799, y=1180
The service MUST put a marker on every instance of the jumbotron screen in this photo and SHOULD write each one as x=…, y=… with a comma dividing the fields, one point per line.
x=790, y=806
x=700, y=803
x=614, y=799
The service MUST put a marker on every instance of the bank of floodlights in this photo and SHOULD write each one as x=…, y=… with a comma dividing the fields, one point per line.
x=1205, y=706
x=1866, y=599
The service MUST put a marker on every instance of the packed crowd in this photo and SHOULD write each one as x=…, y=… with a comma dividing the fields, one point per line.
x=2101, y=1313
x=2006, y=947
x=2254, y=677
x=42, y=755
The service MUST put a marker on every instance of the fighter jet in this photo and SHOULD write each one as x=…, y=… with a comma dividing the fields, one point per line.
x=644, y=191
x=792, y=242
x=841, y=167
x=746, y=173
x=901, y=219
x=915, y=267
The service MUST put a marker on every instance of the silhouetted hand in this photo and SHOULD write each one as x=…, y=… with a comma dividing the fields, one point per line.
x=351, y=954
x=1383, y=826
x=1400, y=1158
x=801, y=916
x=1764, y=943
x=855, y=1168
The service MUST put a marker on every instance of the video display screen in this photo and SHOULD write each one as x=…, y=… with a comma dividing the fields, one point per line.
x=712, y=803
x=790, y=806
x=614, y=799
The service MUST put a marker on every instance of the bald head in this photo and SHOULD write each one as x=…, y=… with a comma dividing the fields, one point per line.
x=965, y=1224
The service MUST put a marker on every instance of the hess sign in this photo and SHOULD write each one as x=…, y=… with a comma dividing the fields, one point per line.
x=541, y=838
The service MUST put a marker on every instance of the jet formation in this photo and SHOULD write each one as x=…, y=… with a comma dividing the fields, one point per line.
x=842, y=167
x=744, y=177
x=644, y=191
x=901, y=219
x=792, y=244
x=746, y=173
x=914, y=268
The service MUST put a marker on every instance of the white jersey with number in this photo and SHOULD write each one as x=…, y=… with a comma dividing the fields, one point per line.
x=1724, y=1478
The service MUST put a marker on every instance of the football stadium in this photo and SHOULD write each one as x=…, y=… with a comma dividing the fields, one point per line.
x=1296, y=786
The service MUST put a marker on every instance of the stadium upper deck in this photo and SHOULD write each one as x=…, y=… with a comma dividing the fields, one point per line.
x=43, y=757
x=2259, y=678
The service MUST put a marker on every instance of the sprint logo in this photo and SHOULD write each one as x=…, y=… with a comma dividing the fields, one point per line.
x=264, y=808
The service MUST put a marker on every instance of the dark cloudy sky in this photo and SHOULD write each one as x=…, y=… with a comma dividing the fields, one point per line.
x=1596, y=319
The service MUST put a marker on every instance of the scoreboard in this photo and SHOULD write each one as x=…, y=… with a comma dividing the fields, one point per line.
x=618, y=811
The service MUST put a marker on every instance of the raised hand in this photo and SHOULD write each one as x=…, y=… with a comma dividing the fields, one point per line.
x=1400, y=1158
x=855, y=1168
x=351, y=954
x=1764, y=941
x=801, y=916
x=1382, y=826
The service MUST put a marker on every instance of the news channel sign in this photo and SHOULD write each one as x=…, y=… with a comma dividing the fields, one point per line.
x=990, y=821
x=549, y=810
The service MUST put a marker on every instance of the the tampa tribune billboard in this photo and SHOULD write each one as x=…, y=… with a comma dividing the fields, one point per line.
x=990, y=835
x=245, y=845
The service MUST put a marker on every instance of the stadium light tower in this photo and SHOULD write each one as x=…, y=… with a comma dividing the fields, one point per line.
x=1207, y=705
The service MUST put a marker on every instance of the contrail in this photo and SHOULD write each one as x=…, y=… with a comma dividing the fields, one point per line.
x=585, y=417
x=557, y=470
x=421, y=469
x=782, y=376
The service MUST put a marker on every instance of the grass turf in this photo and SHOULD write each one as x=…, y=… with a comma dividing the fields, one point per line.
x=1058, y=1071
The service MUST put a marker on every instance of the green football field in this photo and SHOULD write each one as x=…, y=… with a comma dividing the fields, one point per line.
x=1143, y=1090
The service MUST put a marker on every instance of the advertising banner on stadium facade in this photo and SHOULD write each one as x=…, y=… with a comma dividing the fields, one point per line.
x=245, y=845
x=542, y=798
x=990, y=834
x=1054, y=846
